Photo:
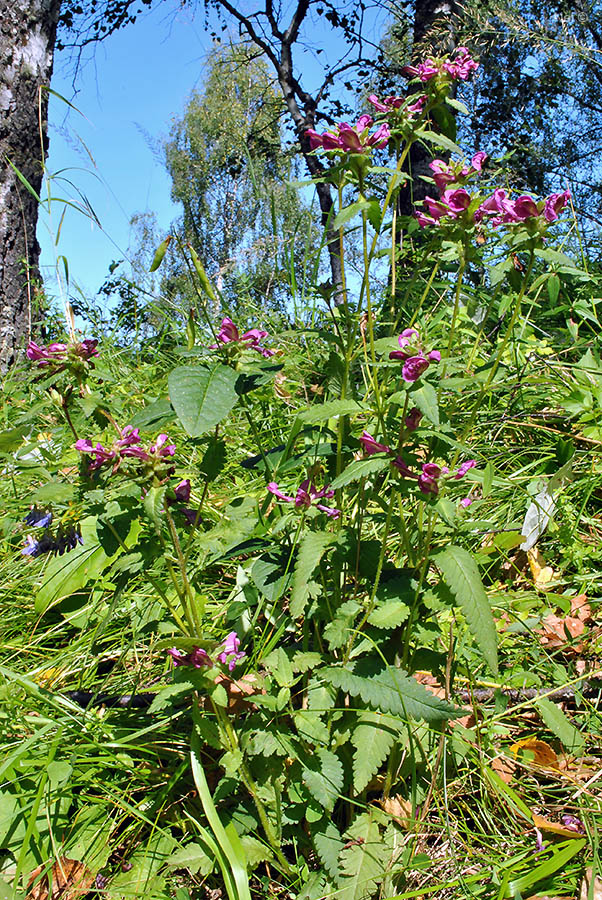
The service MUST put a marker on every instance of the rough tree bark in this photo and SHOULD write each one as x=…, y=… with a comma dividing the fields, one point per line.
x=27, y=38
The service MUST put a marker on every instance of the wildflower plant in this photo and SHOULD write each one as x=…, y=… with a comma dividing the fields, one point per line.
x=343, y=525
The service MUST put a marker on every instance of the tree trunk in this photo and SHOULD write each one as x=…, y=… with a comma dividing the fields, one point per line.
x=27, y=37
x=434, y=35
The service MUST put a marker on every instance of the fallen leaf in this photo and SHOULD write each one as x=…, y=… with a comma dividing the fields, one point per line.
x=535, y=752
x=555, y=827
x=503, y=767
x=585, y=886
x=69, y=878
x=399, y=809
x=542, y=574
x=555, y=630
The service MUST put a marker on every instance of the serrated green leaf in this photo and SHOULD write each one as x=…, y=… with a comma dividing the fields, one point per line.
x=328, y=843
x=372, y=742
x=389, y=615
x=154, y=505
x=311, y=550
x=321, y=412
x=392, y=691
x=192, y=857
x=202, y=397
x=170, y=692
x=425, y=398
x=324, y=777
x=559, y=724
x=362, y=864
x=360, y=468
x=439, y=140
x=462, y=577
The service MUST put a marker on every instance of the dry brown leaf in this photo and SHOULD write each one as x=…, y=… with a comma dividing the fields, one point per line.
x=428, y=680
x=399, y=809
x=534, y=752
x=69, y=878
x=556, y=630
x=585, y=886
x=239, y=690
x=503, y=767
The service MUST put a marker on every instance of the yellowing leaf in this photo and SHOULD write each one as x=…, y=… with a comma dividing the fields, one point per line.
x=554, y=827
x=536, y=753
x=542, y=574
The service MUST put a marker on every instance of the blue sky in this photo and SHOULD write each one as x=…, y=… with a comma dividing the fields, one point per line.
x=127, y=91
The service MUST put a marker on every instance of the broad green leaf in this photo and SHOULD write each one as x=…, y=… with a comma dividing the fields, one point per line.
x=389, y=615
x=439, y=140
x=392, y=691
x=362, y=864
x=12, y=439
x=349, y=212
x=487, y=479
x=311, y=550
x=462, y=577
x=425, y=398
x=202, y=397
x=66, y=574
x=53, y=492
x=321, y=412
x=159, y=412
x=214, y=459
x=360, y=468
x=170, y=692
x=324, y=777
x=372, y=742
x=559, y=724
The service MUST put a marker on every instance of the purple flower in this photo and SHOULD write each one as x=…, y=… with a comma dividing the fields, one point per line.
x=458, y=69
x=100, y=453
x=428, y=480
x=414, y=367
x=306, y=496
x=38, y=518
x=572, y=823
x=469, y=464
x=197, y=658
x=402, y=467
x=392, y=104
x=465, y=502
x=127, y=446
x=182, y=491
x=351, y=138
x=412, y=420
x=554, y=204
x=371, y=446
x=230, y=655
x=228, y=334
x=58, y=355
x=65, y=539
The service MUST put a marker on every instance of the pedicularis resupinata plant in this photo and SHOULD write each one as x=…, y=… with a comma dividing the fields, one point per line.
x=337, y=534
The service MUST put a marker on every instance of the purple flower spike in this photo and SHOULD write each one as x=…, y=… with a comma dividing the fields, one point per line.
x=428, y=480
x=306, y=495
x=414, y=367
x=197, y=658
x=38, y=518
x=229, y=334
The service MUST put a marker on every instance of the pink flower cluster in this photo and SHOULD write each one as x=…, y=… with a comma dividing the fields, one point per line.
x=351, y=138
x=505, y=211
x=306, y=496
x=59, y=355
x=392, y=104
x=458, y=69
x=199, y=658
x=428, y=479
x=229, y=334
x=415, y=362
x=446, y=173
x=128, y=445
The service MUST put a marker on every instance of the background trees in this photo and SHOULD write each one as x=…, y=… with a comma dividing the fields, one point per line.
x=231, y=174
